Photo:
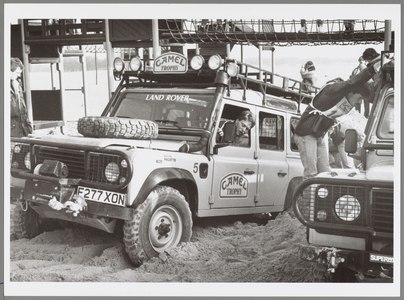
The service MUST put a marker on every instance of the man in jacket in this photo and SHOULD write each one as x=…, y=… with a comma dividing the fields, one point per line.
x=333, y=100
x=20, y=124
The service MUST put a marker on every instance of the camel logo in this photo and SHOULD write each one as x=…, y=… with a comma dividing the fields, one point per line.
x=234, y=186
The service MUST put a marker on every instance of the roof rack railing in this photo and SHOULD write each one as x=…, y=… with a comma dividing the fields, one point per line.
x=263, y=80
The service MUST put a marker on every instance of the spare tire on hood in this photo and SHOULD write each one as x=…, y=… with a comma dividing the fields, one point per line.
x=113, y=127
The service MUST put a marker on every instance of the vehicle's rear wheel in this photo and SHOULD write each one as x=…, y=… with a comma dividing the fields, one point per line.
x=161, y=222
x=113, y=127
x=27, y=224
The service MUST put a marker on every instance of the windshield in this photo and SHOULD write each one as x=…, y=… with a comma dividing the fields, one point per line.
x=386, y=125
x=174, y=109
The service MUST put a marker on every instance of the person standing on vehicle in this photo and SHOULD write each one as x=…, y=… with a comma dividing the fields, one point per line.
x=20, y=124
x=308, y=73
x=334, y=100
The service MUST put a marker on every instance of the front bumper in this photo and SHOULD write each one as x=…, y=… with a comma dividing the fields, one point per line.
x=370, y=266
x=38, y=193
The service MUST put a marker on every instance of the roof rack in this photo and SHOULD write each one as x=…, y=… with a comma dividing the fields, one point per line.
x=268, y=82
x=248, y=77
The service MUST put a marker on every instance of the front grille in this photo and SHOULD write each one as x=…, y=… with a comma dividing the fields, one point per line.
x=98, y=166
x=355, y=208
x=382, y=210
x=74, y=159
x=323, y=199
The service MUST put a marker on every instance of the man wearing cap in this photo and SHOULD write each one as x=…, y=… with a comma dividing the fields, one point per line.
x=334, y=100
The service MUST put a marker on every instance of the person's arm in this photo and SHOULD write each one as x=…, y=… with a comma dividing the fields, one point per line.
x=341, y=89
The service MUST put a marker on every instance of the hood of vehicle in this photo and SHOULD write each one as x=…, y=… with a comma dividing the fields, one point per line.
x=343, y=174
x=382, y=171
x=113, y=143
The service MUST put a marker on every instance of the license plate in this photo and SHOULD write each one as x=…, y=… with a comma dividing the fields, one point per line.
x=101, y=196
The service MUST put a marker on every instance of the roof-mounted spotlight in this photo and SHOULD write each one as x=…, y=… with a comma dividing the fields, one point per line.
x=232, y=69
x=119, y=65
x=135, y=63
x=215, y=62
x=197, y=62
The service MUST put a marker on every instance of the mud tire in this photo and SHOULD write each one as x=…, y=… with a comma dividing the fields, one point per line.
x=112, y=127
x=141, y=232
x=27, y=224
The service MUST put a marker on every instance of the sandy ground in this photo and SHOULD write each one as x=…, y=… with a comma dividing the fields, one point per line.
x=231, y=249
x=236, y=249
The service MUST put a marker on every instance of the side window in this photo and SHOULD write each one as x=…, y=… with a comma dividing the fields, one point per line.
x=293, y=124
x=271, y=132
x=386, y=125
x=235, y=130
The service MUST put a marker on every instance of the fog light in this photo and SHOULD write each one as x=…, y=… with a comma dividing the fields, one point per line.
x=17, y=149
x=347, y=208
x=135, y=63
x=232, y=70
x=321, y=215
x=118, y=64
x=214, y=62
x=122, y=180
x=322, y=192
x=15, y=165
x=124, y=163
x=197, y=62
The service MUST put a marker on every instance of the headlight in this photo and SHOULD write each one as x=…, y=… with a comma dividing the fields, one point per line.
x=197, y=62
x=27, y=161
x=347, y=208
x=112, y=172
x=135, y=63
x=214, y=62
x=118, y=64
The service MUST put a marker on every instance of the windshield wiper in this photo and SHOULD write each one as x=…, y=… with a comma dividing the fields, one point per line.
x=175, y=123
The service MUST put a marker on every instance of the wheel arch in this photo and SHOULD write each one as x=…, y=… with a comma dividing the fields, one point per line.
x=179, y=179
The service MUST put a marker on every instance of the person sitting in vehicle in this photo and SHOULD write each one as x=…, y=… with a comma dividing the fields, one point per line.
x=237, y=132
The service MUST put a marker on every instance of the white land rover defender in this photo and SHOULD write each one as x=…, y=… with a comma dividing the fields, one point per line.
x=349, y=214
x=154, y=160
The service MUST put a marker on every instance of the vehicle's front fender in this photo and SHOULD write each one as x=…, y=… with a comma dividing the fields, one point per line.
x=158, y=176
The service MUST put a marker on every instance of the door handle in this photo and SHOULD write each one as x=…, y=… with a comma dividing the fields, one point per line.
x=246, y=172
x=282, y=174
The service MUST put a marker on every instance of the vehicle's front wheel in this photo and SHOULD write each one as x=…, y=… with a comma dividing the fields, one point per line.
x=27, y=223
x=161, y=222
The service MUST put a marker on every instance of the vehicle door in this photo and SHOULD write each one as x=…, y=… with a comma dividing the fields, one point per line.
x=271, y=157
x=234, y=167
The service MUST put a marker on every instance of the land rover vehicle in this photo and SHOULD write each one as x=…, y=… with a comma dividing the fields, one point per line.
x=154, y=160
x=349, y=214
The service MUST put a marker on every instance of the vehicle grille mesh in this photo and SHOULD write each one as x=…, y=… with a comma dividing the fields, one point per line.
x=382, y=210
x=74, y=159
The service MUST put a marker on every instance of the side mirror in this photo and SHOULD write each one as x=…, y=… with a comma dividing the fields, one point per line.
x=351, y=141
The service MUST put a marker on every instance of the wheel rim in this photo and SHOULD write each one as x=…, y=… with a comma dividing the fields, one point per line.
x=165, y=228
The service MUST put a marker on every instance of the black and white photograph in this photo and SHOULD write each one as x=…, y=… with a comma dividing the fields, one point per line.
x=202, y=150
